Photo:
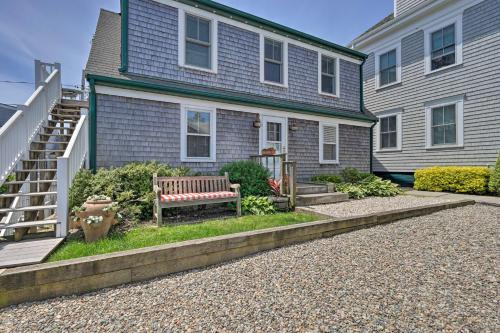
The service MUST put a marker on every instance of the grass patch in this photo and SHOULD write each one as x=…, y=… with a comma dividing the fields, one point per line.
x=151, y=236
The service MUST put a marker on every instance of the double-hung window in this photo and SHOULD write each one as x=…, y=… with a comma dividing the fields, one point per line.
x=198, y=42
x=388, y=132
x=273, y=61
x=444, y=125
x=198, y=134
x=388, y=68
x=443, y=47
x=328, y=75
x=328, y=143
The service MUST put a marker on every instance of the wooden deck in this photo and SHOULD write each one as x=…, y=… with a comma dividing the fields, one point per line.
x=27, y=252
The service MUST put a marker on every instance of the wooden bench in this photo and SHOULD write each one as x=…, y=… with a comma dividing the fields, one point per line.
x=192, y=191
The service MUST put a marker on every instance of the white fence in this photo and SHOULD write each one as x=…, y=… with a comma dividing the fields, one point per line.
x=18, y=132
x=74, y=158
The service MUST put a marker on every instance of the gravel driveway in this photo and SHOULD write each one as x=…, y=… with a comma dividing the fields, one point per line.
x=432, y=273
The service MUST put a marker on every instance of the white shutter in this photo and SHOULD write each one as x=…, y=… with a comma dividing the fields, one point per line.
x=330, y=134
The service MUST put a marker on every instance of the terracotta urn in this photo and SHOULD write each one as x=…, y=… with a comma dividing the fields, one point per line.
x=94, y=209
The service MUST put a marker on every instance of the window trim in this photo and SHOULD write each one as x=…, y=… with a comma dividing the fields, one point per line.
x=321, y=142
x=459, y=120
x=337, y=75
x=181, y=38
x=457, y=21
x=285, y=60
x=399, y=131
x=213, y=131
x=397, y=47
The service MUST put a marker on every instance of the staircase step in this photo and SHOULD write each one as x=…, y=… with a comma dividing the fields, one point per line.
x=26, y=209
x=36, y=170
x=65, y=116
x=56, y=134
x=39, y=181
x=66, y=121
x=50, y=142
x=59, y=128
x=321, y=198
x=47, y=160
x=311, y=188
x=28, y=224
x=47, y=150
x=32, y=194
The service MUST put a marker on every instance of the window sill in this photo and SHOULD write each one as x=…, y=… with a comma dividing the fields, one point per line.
x=281, y=85
x=328, y=162
x=427, y=72
x=201, y=69
x=329, y=95
x=389, y=150
x=444, y=147
x=198, y=160
x=392, y=84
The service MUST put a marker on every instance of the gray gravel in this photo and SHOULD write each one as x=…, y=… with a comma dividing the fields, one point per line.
x=375, y=204
x=426, y=274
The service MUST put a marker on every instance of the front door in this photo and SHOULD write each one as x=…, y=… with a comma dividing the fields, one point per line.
x=274, y=134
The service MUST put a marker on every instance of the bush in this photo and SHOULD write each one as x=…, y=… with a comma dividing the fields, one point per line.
x=131, y=186
x=354, y=191
x=251, y=176
x=353, y=175
x=327, y=178
x=494, y=185
x=257, y=205
x=371, y=186
x=452, y=179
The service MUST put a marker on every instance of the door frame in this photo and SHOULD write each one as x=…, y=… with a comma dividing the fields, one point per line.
x=263, y=131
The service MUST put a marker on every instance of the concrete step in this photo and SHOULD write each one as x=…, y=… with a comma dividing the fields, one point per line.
x=321, y=198
x=27, y=209
x=311, y=189
x=31, y=194
x=28, y=224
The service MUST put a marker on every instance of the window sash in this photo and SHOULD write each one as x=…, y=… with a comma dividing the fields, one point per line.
x=444, y=127
x=388, y=135
x=328, y=141
x=196, y=150
x=199, y=42
x=273, y=60
x=443, y=52
x=388, y=67
x=328, y=75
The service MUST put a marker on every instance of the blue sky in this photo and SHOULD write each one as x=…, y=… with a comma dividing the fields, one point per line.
x=61, y=30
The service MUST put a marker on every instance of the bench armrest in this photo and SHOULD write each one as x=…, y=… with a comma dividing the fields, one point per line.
x=235, y=187
x=157, y=191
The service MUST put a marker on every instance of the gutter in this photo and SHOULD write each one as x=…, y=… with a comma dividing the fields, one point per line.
x=362, y=109
x=92, y=126
x=124, y=36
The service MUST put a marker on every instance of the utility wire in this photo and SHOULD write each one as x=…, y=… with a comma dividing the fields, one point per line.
x=26, y=82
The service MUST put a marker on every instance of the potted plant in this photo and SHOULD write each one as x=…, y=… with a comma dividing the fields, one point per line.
x=280, y=202
x=269, y=151
x=96, y=216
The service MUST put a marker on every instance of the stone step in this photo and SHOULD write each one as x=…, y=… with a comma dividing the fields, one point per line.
x=311, y=188
x=31, y=194
x=28, y=224
x=321, y=198
x=27, y=209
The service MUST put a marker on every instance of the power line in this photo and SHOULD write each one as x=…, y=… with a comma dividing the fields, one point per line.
x=26, y=82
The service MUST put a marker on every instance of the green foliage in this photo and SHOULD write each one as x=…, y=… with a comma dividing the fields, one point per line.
x=494, y=185
x=353, y=175
x=10, y=178
x=453, y=179
x=332, y=178
x=253, y=205
x=131, y=186
x=251, y=176
x=371, y=186
x=354, y=191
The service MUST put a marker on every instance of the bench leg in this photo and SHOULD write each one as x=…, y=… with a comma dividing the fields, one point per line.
x=238, y=207
x=158, y=214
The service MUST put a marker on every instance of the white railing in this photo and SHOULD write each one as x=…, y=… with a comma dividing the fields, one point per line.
x=74, y=158
x=18, y=132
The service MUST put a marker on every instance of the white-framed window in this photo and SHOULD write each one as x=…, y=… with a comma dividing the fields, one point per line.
x=273, y=61
x=443, y=45
x=328, y=143
x=197, y=41
x=198, y=134
x=328, y=75
x=388, y=66
x=444, y=123
x=389, y=131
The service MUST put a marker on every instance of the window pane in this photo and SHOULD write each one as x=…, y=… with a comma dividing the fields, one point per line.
x=327, y=65
x=449, y=114
x=437, y=116
x=273, y=131
x=198, y=146
x=198, y=122
x=324, y=65
x=204, y=33
x=329, y=152
x=438, y=135
x=450, y=134
x=197, y=55
x=384, y=124
x=268, y=49
x=327, y=84
x=437, y=40
x=449, y=35
x=391, y=58
x=384, y=61
x=393, y=140
x=391, y=75
x=392, y=123
x=191, y=27
x=384, y=140
x=272, y=72
x=277, y=51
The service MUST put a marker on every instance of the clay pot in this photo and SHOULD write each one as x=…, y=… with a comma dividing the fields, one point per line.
x=96, y=231
x=269, y=151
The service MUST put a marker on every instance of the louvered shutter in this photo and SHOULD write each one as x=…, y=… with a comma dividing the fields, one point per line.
x=329, y=143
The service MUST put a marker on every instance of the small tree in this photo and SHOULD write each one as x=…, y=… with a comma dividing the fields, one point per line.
x=494, y=185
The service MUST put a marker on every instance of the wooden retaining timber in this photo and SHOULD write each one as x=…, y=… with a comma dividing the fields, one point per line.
x=74, y=276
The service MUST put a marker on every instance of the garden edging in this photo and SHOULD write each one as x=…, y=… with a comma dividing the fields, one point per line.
x=67, y=277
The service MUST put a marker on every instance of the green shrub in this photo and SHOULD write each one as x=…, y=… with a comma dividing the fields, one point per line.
x=4, y=188
x=332, y=178
x=257, y=205
x=353, y=175
x=131, y=186
x=494, y=185
x=378, y=187
x=251, y=176
x=354, y=191
x=452, y=179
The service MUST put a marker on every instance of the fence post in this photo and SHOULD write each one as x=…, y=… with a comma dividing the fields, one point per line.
x=62, y=197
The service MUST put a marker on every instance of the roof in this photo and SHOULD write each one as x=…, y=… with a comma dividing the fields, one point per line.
x=386, y=19
x=104, y=63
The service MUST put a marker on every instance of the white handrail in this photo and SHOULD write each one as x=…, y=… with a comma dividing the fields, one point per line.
x=74, y=158
x=16, y=135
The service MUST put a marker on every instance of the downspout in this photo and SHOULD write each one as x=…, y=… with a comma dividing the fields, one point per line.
x=92, y=126
x=124, y=36
x=362, y=109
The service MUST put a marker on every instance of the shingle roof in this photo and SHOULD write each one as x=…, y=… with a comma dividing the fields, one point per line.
x=386, y=19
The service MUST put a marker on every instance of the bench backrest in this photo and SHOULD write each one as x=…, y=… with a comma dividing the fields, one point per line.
x=198, y=184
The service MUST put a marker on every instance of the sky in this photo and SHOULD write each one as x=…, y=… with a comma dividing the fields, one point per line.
x=61, y=31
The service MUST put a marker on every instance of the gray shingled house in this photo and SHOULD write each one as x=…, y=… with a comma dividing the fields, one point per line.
x=433, y=79
x=200, y=84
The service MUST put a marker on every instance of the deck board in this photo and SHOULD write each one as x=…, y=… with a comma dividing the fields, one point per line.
x=27, y=252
